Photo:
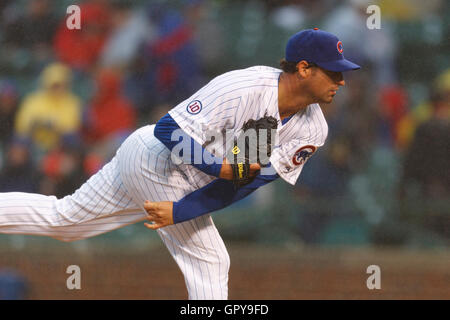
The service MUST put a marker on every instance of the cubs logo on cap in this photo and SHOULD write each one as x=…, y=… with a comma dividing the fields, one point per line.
x=340, y=47
x=319, y=47
x=303, y=154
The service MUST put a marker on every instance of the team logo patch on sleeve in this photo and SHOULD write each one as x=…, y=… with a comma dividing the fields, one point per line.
x=194, y=107
x=303, y=154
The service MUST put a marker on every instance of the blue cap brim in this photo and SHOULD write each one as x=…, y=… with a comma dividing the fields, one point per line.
x=339, y=65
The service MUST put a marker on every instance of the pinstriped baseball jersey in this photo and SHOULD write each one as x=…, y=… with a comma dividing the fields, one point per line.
x=231, y=99
x=143, y=170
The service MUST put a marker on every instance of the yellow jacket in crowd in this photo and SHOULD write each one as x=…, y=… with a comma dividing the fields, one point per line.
x=51, y=112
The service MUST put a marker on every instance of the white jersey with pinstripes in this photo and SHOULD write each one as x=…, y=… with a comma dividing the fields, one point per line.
x=142, y=169
x=231, y=99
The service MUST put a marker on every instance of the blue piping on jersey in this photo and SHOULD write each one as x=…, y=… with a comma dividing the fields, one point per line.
x=163, y=131
x=283, y=122
x=216, y=195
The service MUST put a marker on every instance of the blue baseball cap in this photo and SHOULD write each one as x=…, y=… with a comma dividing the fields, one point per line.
x=319, y=47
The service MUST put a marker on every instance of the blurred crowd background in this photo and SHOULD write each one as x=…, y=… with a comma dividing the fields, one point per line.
x=68, y=98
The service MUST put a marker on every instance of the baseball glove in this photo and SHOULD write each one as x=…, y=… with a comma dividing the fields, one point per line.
x=252, y=146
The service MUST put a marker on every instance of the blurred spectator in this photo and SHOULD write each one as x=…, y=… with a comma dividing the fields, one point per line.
x=28, y=34
x=3, y=5
x=52, y=112
x=81, y=48
x=13, y=286
x=158, y=112
x=407, y=10
x=18, y=174
x=353, y=118
x=364, y=46
x=110, y=115
x=8, y=107
x=64, y=170
x=130, y=28
x=93, y=162
x=33, y=30
x=204, y=17
x=437, y=106
x=393, y=107
x=290, y=17
x=427, y=160
x=425, y=184
x=320, y=191
x=168, y=68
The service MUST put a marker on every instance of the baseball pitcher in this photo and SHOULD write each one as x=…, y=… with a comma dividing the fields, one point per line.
x=242, y=130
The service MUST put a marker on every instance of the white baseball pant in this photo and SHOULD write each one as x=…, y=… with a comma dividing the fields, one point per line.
x=114, y=197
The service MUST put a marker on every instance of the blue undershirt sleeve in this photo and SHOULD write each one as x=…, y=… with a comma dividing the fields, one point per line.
x=163, y=131
x=216, y=195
